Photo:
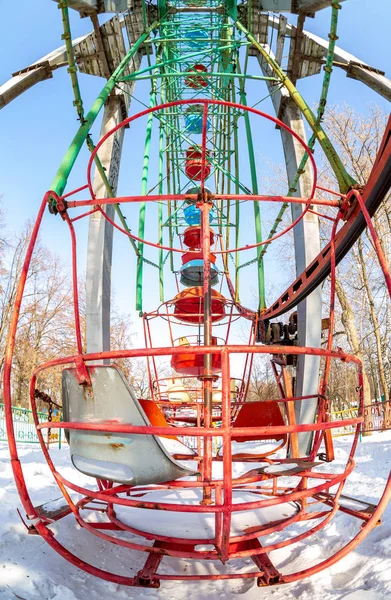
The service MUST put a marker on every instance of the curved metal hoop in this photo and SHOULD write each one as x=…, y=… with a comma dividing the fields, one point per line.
x=206, y=103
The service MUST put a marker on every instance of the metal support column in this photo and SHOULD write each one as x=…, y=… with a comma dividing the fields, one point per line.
x=100, y=234
x=307, y=247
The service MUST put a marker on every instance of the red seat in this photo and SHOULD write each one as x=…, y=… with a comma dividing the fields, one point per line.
x=194, y=162
x=155, y=416
x=193, y=364
x=188, y=256
x=197, y=81
x=192, y=237
x=259, y=414
x=189, y=305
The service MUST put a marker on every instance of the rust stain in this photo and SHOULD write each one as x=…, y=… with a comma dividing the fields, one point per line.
x=117, y=446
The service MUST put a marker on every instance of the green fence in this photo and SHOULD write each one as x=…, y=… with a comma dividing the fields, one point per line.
x=24, y=426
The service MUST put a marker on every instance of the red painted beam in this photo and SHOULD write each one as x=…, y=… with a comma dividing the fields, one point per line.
x=378, y=185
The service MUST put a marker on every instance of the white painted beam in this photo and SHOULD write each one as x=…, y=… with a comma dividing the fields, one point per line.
x=38, y=71
x=276, y=5
x=100, y=234
x=295, y=6
x=307, y=247
x=312, y=6
x=89, y=7
x=354, y=67
x=84, y=49
x=20, y=83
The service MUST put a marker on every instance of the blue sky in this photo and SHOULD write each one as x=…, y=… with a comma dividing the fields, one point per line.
x=37, y=127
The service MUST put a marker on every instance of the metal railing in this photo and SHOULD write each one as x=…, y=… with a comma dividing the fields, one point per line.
x=24, y=426
x=340, y=415
x=377, y=417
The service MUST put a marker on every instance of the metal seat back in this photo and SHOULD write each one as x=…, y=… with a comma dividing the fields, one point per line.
x=124, y=458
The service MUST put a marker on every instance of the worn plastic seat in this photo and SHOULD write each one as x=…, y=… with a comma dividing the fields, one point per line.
x=217, y=397
x=124, y=458
x=197, y=81
x=192, y=214
x=189, y=305
x=176, y=391
x=192, y=238
x=195, y=165
x=196, y=34
x=194, y=119
x=192, y=273
x=258, y=414
x=193, y=364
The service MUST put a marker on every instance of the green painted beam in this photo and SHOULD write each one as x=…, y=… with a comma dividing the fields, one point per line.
x=61, y=177
x=345, y=180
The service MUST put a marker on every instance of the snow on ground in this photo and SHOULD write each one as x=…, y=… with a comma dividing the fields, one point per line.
x=31, y=570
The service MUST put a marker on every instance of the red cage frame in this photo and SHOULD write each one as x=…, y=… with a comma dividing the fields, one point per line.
x=222, y=507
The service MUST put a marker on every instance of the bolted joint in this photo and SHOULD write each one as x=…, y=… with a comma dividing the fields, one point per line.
x=61, y=206
x=146, y=581
x=52, y=207
x=55, y=204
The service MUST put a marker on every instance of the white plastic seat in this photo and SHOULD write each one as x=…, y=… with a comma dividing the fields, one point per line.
x=217, y=397
x=176, y=391
x=135, y=459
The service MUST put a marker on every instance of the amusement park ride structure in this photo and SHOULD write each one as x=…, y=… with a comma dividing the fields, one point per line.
x=197, y=458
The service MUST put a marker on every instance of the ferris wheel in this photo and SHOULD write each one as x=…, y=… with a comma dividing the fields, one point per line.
x=200, y=470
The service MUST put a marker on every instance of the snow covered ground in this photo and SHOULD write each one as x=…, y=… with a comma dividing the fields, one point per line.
x=30, y=570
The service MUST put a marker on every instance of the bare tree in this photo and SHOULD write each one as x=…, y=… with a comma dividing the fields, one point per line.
x=362, y=295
